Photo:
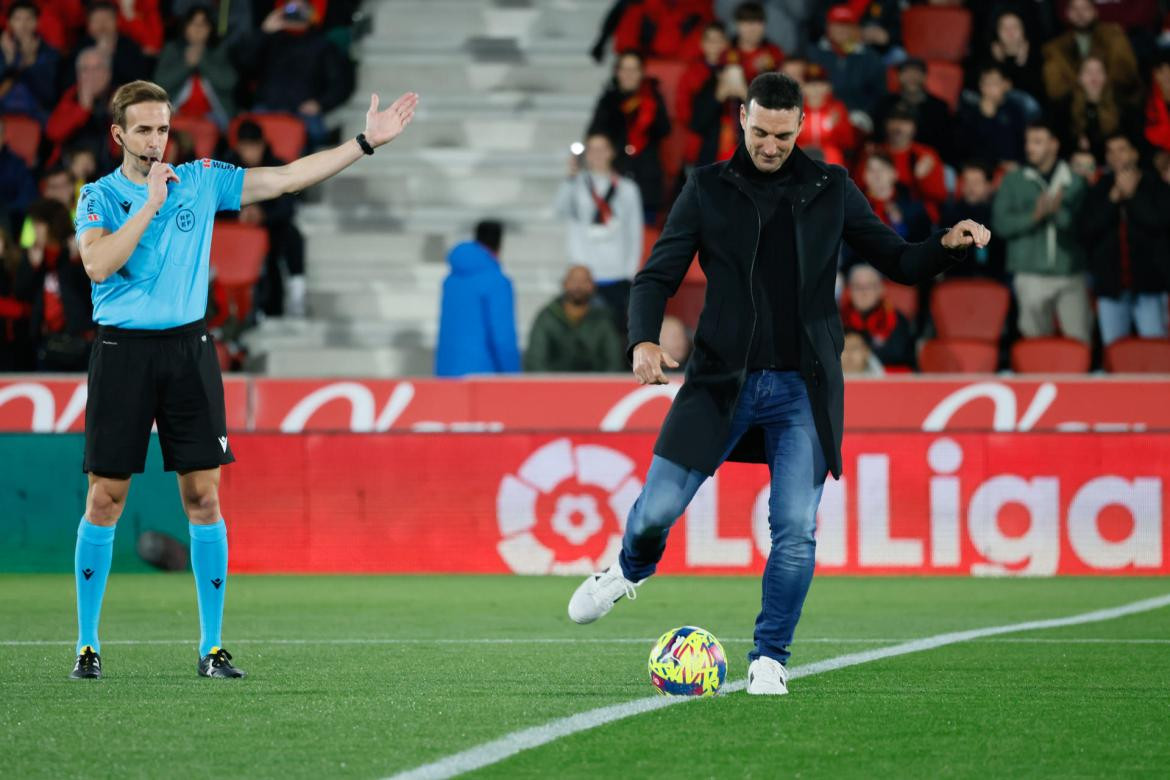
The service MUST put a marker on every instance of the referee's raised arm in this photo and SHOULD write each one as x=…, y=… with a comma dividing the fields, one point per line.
x=382, y=127
x=103, y=252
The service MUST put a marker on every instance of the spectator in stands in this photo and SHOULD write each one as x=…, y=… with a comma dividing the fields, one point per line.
x=282, y=287
x=82, y=163
x=865, y=310
x=826, y=119
x=15, y=351
x=857, y=72
x=1126, y=228
x=654, y=28
x=920, y=168
x=17, y=186
x=1092, y=111
x=881, y=28
x=932, y=114
x=675, y=341
x=477, y=314
x=53, y=281
x=857, y=358
x=571, y=334
x=1139, y=18
x=702, y=75
x=973, y=201
x=141, y=22
x=1084, y=164
x=891, y=201
x=1088, y=37
x=28, y=65
x=297, y=69
x=632, y=113
x=125, y=55
x=82, y=117
x=605, y=224
x=56, y=184
x=786, y=22
x=715, y=115
x=1018, y=56
x=233, y=30
x=1158, y=104
x=1036, y=212
x=196, y=72
x=991, y=126
x=751, y=50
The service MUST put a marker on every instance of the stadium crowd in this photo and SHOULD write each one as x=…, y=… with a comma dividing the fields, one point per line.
x=250, y=81
x=1047, y=121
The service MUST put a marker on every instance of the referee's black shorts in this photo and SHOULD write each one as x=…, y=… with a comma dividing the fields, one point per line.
x=138, y=377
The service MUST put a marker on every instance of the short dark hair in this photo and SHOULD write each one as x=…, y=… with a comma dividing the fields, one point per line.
x=629, y=53
x=249, y=130
x=101, y=5
x=27, y=5
x=715, y=27
x=882, y=157
x=776, y=91
x=750, y=11
x=490, y=233
x=977, y=165
x=994, y=67
x=1129, y=139
x=1045, y=124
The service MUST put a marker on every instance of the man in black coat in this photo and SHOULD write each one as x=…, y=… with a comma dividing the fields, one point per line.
x=764, y=383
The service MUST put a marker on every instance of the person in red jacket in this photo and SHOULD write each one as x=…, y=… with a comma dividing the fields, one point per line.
x=141, y=21
x=699, y=76
x=751, y=50
x=1158, y=105
x=82, y=117
x=826, y=119
x=658, y=28
x=920, y=169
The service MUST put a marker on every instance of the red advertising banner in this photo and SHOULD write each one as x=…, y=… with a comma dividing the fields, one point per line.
x=958, y=504
x=52, y=404
x=610, y=404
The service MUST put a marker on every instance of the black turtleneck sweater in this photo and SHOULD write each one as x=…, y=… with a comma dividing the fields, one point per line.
x=776, y=342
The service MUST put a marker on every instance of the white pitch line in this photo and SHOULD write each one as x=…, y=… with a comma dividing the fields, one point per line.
x=509, y=745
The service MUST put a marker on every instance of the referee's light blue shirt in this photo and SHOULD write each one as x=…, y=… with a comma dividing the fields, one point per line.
x=164, y=283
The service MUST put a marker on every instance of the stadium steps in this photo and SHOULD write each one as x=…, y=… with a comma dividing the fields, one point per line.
x=505, y=89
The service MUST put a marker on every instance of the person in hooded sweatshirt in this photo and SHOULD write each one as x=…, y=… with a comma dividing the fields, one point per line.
x=477, y=318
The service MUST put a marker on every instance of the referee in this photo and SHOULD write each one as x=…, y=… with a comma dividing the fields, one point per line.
x=144, y=232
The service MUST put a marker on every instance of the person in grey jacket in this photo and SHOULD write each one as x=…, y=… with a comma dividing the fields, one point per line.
x=196, y=70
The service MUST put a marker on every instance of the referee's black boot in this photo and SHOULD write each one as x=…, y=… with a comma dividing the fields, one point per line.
x=218, y=663
x=88, y=666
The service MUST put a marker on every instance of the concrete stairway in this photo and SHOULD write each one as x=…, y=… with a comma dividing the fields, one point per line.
x=506, y=86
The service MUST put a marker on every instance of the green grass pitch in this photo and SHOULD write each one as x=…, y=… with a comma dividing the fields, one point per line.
x=1083, y=701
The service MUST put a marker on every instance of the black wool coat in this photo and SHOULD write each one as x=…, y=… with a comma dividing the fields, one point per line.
x=1148, y=231
x=715, y=216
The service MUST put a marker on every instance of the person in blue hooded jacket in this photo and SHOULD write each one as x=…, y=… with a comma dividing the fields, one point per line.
x=477, y=317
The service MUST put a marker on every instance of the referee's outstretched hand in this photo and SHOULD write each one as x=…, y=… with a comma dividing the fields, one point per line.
x=384, y=126
x=156, y=183
x=649, y=358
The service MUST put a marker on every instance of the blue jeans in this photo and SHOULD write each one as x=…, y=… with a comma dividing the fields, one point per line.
x=778, y=402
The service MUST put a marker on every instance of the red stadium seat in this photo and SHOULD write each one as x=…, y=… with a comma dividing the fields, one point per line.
x=237, y=256
x=969, y=309
x=22, y=135
x=285, y=133
x=203, y=132
x=958, y=356
x=1050, y=356
x=903, y=297
x=1138, y=356
x=936, y=32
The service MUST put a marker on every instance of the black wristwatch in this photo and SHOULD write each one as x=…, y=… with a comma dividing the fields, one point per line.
x=364, y=144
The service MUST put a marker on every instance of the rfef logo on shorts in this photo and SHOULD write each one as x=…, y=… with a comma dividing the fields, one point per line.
x=206, y=162
x=94, y=218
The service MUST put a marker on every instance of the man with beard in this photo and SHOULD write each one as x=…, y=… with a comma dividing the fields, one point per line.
x=572, y=334
x=1087, y=37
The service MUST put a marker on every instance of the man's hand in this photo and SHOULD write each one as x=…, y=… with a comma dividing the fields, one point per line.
x=965, y=234
x=156, y=184
x=649, y=358
x=382, y=127
x=923, y=167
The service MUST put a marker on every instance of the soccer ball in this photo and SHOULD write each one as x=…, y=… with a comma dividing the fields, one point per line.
x=687, y=661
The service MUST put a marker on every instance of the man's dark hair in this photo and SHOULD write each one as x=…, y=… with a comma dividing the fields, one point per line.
x=715, y=26
x=1129, y=139
x=994, y=67
x=750, y=12
x=27, y=5
x=629, y=53
x=1045, y=124
x=101, y=5
x=775, y=91
x=56, y=170
x=978, y=165
x=882, y=157
x=249, y=130
x=490, y=233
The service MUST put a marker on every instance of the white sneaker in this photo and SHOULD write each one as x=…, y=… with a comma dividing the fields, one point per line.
x=596, y=595
x=767, y=677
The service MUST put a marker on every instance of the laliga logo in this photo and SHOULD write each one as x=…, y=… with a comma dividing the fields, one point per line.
x=564, y=510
